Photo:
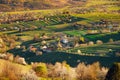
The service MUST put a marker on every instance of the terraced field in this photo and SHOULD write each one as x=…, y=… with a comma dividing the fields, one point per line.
x=97, y=49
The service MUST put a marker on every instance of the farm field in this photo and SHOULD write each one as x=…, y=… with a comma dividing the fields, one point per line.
x=98, y=49
x=53, y=25
x=52, y=41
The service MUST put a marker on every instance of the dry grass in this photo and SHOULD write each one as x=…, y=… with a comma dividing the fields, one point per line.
x=4, y=63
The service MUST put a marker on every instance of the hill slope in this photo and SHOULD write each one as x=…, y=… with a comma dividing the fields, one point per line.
x=13, y=5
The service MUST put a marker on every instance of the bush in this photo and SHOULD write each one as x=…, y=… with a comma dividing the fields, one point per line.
x=41, y=70
x=10, y=71
x=90, y=72
x=29, y=76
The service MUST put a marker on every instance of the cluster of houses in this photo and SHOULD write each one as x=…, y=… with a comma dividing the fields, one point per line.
x=60, y=42
x=64, y=43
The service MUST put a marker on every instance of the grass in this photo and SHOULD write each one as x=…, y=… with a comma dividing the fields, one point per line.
x=111, y=8
x=100, y=2
x=94, y=16
x=97, y=48
x=71, y=59
x=24, y=69
x=44, y=12
x=104, y=37
x=75, y=32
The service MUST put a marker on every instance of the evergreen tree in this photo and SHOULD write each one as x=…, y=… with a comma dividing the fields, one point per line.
x=114, y=72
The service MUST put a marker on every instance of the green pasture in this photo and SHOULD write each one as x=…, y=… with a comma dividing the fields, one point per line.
x=75, y=33
x=95, y=49
x=95, y=16
x=104, y=37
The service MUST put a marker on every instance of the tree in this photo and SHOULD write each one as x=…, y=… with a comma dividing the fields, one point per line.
x=41, y=70
x=114, y=72
x=111, y=40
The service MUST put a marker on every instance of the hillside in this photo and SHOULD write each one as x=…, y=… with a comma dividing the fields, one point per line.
x=59, y=39
x=13, y=5
x=4, y=63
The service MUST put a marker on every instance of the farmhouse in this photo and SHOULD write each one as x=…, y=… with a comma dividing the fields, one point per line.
x=39, y=53
x=32, y=49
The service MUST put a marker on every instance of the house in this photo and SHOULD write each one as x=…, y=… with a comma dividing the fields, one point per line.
x=65, y=41
x=4, y=29
x=32, y=49
x=44, y=47
x=18, y=47
x=39, y=53
x=16, y=28
x=47, y=49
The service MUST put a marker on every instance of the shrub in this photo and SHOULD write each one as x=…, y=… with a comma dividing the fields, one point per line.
x=11, y=71
x=90, y=72
x=111, y=40
x=29, y=76
x=99, y=42
x=41, y=70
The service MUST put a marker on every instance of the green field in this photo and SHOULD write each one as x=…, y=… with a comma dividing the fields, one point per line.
x=96, y=49
x=104, y=37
